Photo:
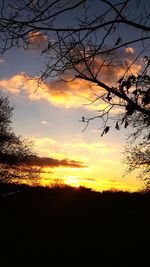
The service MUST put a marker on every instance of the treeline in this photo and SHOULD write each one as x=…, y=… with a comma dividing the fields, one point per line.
x=65, y=225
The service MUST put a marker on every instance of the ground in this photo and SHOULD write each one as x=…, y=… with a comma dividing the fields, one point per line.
x=72, y=227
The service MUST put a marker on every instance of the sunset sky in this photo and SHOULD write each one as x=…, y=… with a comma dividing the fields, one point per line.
x=50, y=116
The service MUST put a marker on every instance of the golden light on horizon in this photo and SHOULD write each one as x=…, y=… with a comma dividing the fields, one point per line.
x=72, y=181
x=87, y=178
x=101, y=157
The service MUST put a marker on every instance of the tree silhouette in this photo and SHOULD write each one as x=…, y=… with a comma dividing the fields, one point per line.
x=15, y=152
x=138, y=157
x=111, y=39
x=87, y=46
x=137, y=151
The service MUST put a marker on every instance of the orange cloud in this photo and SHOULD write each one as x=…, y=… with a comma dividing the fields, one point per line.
x=130, y=50
x=111, y=74
x=58, y=93
x=75, y=94
x=37, y=39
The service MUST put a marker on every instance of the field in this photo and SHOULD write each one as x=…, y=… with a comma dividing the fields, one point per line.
x=65, y=226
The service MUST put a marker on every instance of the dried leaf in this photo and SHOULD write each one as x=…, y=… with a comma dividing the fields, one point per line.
x=130, y=109
x=117, y=126
x=126, y=124
x=105, y=130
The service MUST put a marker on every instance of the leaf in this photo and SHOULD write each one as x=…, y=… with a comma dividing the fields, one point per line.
x=130, y=109
x=105, y=130
x=126, y=124
x=134, y=92
x=128, y=84
x=123, y=119
x=131, y=78
x=49, y=45
x=117, y=126
x=108, y=97
x=118, y=41
x=121, y=86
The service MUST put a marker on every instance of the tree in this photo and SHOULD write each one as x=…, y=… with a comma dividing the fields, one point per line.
x=138, y=157
x=137, y=151
x=86, y=47
x=15, y=152
x=111, y=39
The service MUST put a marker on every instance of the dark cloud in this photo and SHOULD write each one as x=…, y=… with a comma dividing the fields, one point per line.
x=53, y=163
x=39, y=161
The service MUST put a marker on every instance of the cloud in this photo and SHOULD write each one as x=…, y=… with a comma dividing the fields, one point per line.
x=129, y=50
x=81, y=151
x=111, y=74
x=58, y=93
x=99, y=147
x=37, y=40
x=53, y=163
x=75, y=94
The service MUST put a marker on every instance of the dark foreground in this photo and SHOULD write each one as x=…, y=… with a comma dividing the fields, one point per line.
x=73, y=227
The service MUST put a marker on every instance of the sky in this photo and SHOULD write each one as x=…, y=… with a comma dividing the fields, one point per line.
x=51, y=117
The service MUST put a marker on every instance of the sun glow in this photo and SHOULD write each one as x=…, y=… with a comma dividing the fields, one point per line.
x=72, y=181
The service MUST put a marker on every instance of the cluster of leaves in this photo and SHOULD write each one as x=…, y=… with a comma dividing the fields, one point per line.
x=140, y=89
x=137, y=89
x=117, y=125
